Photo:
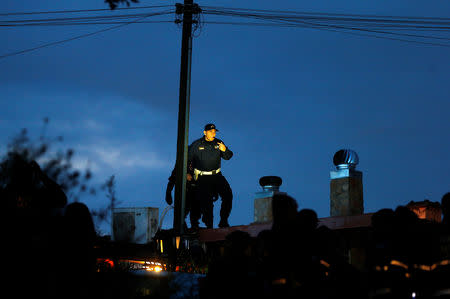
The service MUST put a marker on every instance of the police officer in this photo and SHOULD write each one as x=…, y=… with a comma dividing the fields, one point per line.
x=205, y=154
x=191, y=206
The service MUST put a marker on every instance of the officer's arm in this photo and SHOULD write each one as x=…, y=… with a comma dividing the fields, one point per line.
x=227, y=154
x=172, y=177
x=170, y=186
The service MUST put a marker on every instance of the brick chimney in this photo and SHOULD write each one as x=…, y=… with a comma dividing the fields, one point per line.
x=346, y=188
x=263, y=199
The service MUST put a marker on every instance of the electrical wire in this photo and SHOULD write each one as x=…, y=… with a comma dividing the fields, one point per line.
x=289, y=12
x=373, y=25
x=335, y=19
x=399, y=28
x=82, y=35
x=81, y=10
x=363, y=22
x=79, y=19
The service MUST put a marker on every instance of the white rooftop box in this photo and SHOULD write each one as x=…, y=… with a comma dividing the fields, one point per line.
x=134, y=225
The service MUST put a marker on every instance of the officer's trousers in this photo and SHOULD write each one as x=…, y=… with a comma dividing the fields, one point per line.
x=192, y=206
x=207, y=187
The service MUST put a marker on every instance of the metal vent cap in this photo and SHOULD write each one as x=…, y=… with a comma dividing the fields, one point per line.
x=270, y=182
x=345, y=159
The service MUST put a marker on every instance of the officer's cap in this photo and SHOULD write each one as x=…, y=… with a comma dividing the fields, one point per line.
x=210, y=127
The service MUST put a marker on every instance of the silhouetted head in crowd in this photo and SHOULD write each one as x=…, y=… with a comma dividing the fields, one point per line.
x=238, y=243
x=264, y=244
x=197, y=253
x=404, y=216
x=445, y=205
x=16, y=172
x=79, y=222
x=26, y=186
x=284, y=211
x=307, y=220
x=383, y=220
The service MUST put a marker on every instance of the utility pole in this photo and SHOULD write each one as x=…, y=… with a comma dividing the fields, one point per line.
x=188, y=9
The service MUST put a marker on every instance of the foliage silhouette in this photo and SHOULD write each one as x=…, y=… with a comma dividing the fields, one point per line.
x=114, y=3
x=57, y=165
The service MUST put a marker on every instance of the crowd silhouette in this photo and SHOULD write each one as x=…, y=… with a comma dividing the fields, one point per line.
x=48, y=243
x=405, y=257
x=49, y=250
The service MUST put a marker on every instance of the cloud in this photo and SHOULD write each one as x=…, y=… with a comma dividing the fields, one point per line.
x=93, y=125
x=128, y=157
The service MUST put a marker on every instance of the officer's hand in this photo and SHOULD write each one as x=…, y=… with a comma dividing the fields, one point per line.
x=222, y=146
x=189, y=177
x=169, y=198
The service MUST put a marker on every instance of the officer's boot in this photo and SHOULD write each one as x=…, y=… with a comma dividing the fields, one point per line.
x=224, y=223
x=208, y=220
x=209, y=223
x=194, y=226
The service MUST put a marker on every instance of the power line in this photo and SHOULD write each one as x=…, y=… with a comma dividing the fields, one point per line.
x=85, y=23
x=99, y=20
x=269, y=15
x=339, y=31
x=81, y=10
x=267, y=24
x=76, y=19
x=231, y=9
x=399, y=28
x=319, y=17
x=77, y=37
x=377, y=26
x=289, y=12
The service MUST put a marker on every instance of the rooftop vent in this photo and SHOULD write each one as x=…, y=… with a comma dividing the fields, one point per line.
x=270, y=183
x=346, y=188
x=345, y=159
x=263, y=199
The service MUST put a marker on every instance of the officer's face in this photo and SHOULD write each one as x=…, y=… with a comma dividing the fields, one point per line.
x=210, y=134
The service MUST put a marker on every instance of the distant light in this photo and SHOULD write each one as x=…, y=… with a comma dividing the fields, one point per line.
x=413, y=295
x=153, y=266
x=324, y=263
x=162, y=248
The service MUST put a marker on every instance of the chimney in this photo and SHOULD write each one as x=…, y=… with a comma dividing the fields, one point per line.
x=346, y=188
x=263, y=199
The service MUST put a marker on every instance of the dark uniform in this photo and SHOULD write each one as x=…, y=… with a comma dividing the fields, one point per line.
x=205, y=157
x=191, y=206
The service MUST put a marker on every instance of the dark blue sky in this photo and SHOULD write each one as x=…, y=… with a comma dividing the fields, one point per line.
x=285, y=100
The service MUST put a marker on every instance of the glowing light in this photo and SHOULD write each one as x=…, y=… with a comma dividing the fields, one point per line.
x=279, y=281
x=106, y=261
x=398, y=263
x=423, y=267
x=413, y=295
x=153, y=266
x=162, y=248
x=324, y=263
x=177, y=241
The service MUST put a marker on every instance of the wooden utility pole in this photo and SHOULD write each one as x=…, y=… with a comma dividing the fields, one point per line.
x=183, y=114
